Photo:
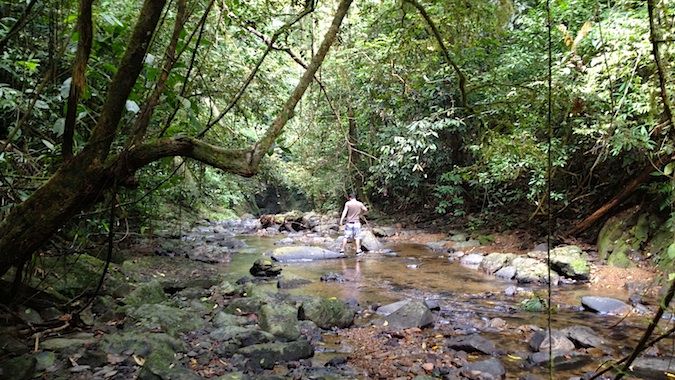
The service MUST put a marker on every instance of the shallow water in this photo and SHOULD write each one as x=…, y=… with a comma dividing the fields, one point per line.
x=465, y=295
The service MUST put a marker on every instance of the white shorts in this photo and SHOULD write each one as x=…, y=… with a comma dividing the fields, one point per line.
x=352, y=230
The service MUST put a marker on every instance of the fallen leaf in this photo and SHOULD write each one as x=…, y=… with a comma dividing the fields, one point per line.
x=139, y=360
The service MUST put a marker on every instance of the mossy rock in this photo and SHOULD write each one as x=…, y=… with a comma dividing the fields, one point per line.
x=244, y=305
x=176, y=272
x=570, y=261
x=614, y=231
x=281, y=320
x=327, y=312
x=619, y=256
x=146, y=293
x=19, y=368
x=165, y=318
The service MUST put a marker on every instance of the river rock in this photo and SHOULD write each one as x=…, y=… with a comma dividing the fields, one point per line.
x=158, y=349
x=392, y=307
x=303, y=253
x=266, y=355
x=653, y=368
x=244, y=305
x=492, y=367
x=605, y=305
x=472, y=343
x=412, y=314
x=241, y=336
x=529, y=270
x=472, y=260
x=467, y=244
x=583, y=336
x=332, y=277
x=146, y=293
x=165, y=318
x=384, y=231
x=495, y=261
x=369, y=242
x=285, y=241
x=562, y=360
x=459, y=237
x=19, y=368
x=222, y=319
x=540, y=341
x=210, y=254
x=264, y=267
x=280, y=320
x=569, y=262
x=506, y=273
x=67, y=344
x=327, y=312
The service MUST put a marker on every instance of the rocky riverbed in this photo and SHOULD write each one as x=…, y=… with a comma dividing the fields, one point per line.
x=272, y=298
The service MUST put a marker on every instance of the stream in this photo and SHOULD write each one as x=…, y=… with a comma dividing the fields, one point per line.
x=466, y=297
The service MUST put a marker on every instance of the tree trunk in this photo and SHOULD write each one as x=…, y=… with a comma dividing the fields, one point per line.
x=82, y=181
x=627, y=190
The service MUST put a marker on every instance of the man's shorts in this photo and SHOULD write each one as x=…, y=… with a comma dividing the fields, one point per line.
x=352, y=230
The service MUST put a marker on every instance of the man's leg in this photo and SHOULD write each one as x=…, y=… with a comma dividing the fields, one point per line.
x=344, y=243
x=358, y=245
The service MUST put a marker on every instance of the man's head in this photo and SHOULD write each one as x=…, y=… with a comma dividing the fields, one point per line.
x=352, y=196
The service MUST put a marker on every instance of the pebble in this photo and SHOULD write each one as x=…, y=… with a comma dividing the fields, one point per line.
x=428, y=367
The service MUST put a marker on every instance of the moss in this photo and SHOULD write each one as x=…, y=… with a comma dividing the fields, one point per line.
x=619, y=257
x=580, y=266
x=146, y=293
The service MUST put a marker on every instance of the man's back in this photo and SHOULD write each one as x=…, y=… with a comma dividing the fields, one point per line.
x=354, y=210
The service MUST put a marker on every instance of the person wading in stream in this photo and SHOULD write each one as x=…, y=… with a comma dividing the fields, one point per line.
x=352, y=212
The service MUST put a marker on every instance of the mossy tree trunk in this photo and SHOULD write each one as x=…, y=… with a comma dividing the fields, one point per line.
x=84, y=179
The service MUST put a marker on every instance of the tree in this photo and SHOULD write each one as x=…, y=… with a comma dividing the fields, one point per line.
x=81, y=180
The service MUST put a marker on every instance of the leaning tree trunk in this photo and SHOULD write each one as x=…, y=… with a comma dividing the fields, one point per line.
x=84, y=179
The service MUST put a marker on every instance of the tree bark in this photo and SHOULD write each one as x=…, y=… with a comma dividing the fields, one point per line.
x=627, y=190
x=82, y=181
x=77, y=80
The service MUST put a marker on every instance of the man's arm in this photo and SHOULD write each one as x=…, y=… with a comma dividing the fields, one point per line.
x=364, y=208
x=344, y=214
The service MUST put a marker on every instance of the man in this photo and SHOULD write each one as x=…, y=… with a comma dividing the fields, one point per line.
x=352, y=212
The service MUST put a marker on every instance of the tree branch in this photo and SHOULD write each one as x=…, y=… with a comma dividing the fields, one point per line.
x=143, y=120
x=309, y=8
x=17, y=26
x=78, y=80
x=123, y=82
x=236, y=161
x=263, y=145
x=446, y=54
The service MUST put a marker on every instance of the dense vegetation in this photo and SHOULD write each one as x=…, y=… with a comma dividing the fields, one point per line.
x=433, y=106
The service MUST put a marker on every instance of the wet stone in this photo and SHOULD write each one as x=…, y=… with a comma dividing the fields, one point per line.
x=605, y=305
x=540, y=341
x=472, y=343
x=491, y=366
x=472, y=260
x=583, y=336
x=653, y=368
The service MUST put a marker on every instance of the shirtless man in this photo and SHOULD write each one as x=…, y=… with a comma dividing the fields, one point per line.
x=352, y=212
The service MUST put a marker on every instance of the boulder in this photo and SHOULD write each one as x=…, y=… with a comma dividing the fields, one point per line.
x=562, y=360
x=583, y=336
x=264, y=267
x=384, y=231
x=529, y=270
x=459, y=237
x=506, y=273
x=392, y=307
x=209, y=253
x=495, y=261
x=492, y=367
x=266, y=355
x=467, y=244
x=369, y=242
x=412, y=314
x=471, y=344
x=540, y=341
x=569, y=262
x=223, y=319
x=280, y=320
x=472, y=260
x=146, y=293
x=159, y=317
x=327, y=312
x=303, y=253
x=244, y=305
x=68, y=344
x=653, y=368
x=605, y=305
x=332, y=277
x=241, y=336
